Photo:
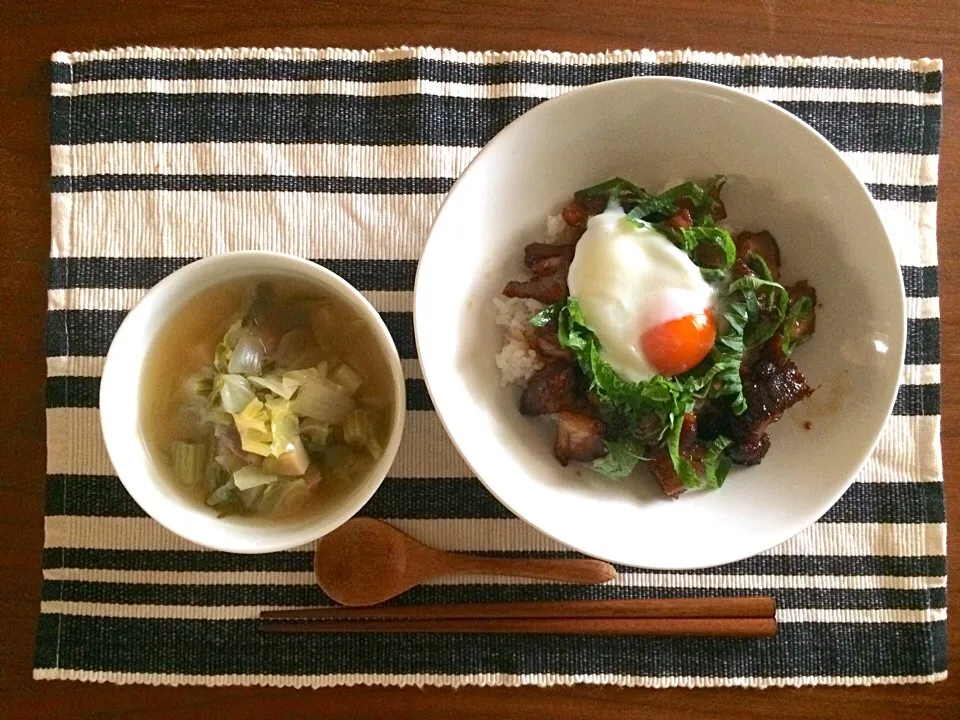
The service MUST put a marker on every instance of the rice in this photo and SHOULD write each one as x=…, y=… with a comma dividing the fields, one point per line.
x=555, y=227
x=517, y=360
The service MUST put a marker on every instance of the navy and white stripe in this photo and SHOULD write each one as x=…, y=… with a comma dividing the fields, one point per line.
x=160, y=157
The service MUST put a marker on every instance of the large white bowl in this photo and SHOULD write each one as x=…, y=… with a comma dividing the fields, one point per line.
x=783, y=177
x=120, y=387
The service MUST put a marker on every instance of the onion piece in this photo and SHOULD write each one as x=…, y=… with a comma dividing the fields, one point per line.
x=235, y=393
x=247, y=357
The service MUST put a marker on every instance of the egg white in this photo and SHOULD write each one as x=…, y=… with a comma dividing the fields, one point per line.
x=627, y=280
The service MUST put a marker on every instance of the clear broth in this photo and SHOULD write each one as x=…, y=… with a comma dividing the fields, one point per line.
x=187, y=343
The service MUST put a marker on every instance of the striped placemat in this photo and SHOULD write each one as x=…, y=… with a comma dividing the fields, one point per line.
x=163, y=156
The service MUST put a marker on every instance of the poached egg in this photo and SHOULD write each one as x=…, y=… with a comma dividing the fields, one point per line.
x=644, y=299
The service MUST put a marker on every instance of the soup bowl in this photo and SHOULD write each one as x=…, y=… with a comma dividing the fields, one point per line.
x=783, y=177
x=121, y=400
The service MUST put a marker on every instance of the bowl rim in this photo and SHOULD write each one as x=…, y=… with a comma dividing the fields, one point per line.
x=530, y=117
x=247, y=264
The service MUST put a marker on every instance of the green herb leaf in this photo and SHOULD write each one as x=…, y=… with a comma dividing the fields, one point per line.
x=766, y=306
x=701, y=197
x=716, y=463
x=548, y=314
x=651, y=205
x=800, y=310
x=690, y=238
x=759, y=266
x=614, y=187
x=641, y=205
x=621, y=458
x=713, y=275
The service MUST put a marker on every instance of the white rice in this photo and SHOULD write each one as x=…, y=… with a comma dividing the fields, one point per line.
x=517, y=359
x=555, y=227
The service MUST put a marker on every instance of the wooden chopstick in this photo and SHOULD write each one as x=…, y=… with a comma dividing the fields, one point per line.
x=720, y=607
x=719, y=617
x=711, y=627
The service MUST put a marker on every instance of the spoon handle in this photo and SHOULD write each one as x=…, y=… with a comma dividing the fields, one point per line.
x=571, y=571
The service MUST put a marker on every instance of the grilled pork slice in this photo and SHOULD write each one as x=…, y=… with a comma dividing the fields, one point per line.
x=547, y=344
x=770, y=388
x=546, y=259
x=550, y=390
x=661, y=467
x=579, y=438
x=547, y=290
x=762, y=244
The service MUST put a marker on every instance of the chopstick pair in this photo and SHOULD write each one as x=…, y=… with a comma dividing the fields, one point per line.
x=718, y=617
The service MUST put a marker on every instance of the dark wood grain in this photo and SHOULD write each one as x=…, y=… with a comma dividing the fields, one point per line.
x=31, y=31
x=715, y=607
x=661, y=627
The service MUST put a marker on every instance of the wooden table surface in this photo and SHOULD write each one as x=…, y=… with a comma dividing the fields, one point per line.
x=31, y=31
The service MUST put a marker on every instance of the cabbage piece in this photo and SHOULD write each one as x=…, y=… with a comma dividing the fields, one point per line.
x=311, y=373
x=292, y=463
x=189, y=462
x=250, y=476
x=323, y=400
x=235, y=393
x=360, y=430
x=247, y=356
x=347, y=378
x=284, y=386
x=284, y=426
x=315, y=435
x=253, y=424
x=284, y=497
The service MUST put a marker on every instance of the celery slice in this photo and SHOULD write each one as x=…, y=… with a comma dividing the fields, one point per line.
x=189, y=462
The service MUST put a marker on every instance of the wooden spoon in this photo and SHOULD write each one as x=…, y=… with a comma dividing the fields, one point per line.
x=365, y=561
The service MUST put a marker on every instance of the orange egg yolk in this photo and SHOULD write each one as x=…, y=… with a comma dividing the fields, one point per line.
x=679, y=345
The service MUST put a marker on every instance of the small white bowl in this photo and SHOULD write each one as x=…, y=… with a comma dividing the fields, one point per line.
x=783, y=177
x=120, y=408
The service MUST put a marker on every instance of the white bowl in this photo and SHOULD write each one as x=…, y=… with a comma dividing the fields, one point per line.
x=120, y=408
x=783, y=177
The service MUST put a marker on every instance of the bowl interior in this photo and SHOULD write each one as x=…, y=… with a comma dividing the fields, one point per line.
x=783, y=177
x=149, y=485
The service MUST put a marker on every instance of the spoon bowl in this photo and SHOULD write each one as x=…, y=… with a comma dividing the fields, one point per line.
x=365, y=562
